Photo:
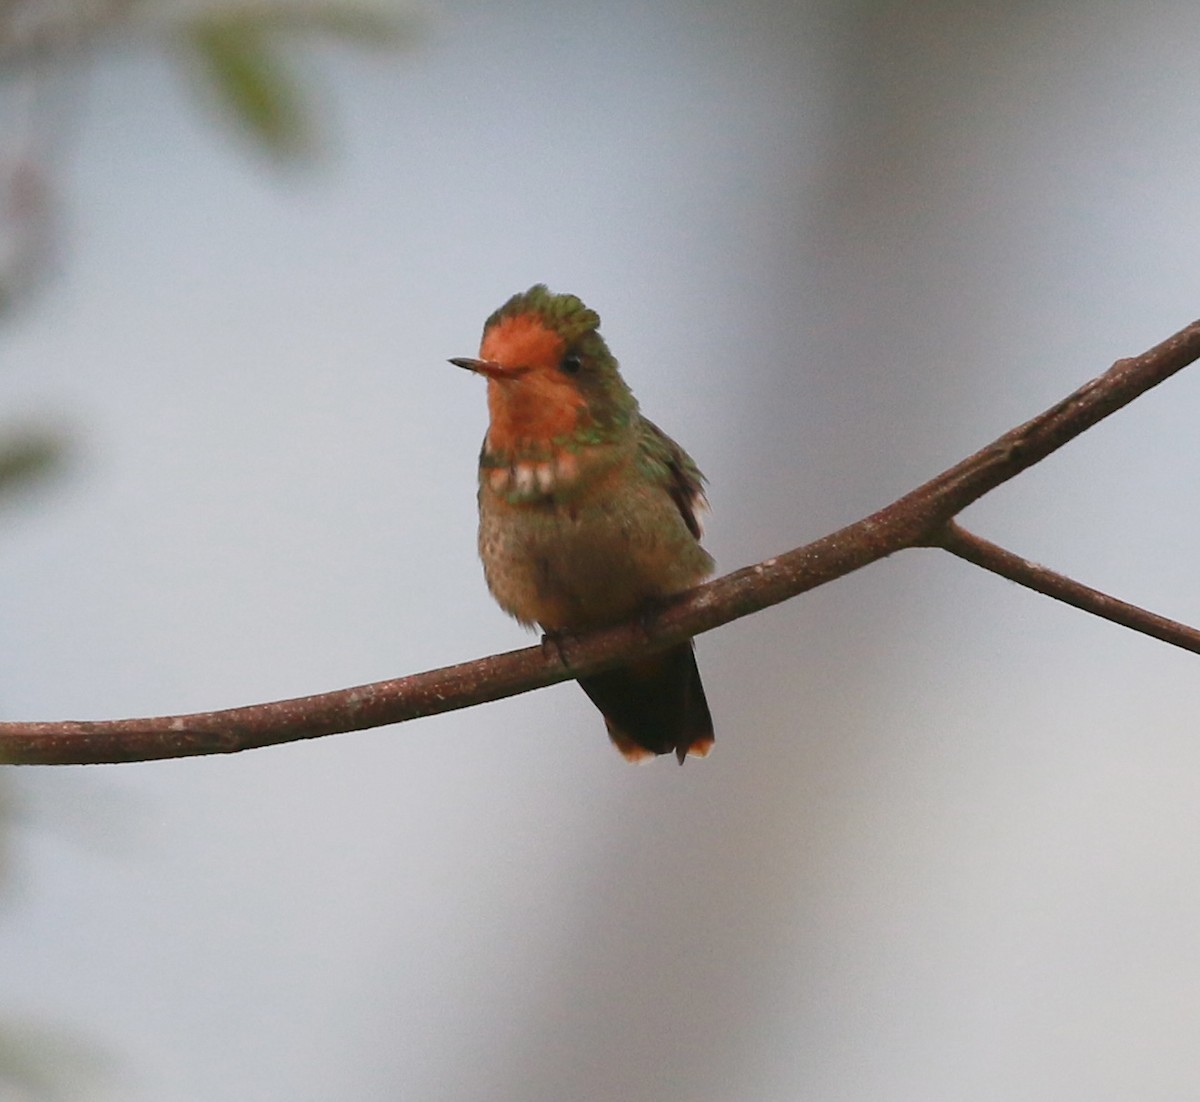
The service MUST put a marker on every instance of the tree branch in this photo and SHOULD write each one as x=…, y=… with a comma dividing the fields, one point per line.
x=917, y=519
x=982, y=553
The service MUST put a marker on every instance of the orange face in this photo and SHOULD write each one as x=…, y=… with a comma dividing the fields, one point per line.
x=530, y=400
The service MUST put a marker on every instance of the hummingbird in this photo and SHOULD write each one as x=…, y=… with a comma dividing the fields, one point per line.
x=588, y=512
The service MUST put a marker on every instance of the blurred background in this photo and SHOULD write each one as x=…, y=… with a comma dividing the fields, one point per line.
x=948, y=844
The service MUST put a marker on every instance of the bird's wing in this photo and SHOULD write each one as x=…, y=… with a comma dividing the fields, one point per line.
x=678, y=470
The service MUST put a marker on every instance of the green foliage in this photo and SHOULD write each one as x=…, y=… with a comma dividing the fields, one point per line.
x=237, y=49
x=365, y=24
x=252, y=85
x=28, y=455
x=47, y=1065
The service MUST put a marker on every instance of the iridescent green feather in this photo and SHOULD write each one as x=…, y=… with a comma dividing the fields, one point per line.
x=565, y=314
x=666, y=463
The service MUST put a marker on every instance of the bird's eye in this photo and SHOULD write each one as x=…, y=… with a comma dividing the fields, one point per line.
x=571, y=364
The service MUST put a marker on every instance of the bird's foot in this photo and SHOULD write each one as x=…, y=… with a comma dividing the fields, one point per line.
x=648, y=617
x=556, y=642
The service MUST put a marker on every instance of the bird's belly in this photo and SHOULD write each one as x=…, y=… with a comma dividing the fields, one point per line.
x=575, y=567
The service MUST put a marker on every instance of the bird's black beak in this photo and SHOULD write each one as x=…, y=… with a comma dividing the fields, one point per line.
x=490, y=368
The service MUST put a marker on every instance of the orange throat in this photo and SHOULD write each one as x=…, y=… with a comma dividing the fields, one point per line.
x=537, y=403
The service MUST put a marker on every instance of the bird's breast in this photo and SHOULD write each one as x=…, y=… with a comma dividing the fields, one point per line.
x=580, y=543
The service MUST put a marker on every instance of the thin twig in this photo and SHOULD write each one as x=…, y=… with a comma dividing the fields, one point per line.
x=990, y=556
x=914, y=520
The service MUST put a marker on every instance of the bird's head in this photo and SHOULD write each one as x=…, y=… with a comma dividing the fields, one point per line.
x=551, y=378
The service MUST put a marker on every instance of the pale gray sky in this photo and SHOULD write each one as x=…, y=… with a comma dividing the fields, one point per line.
x=946, y=846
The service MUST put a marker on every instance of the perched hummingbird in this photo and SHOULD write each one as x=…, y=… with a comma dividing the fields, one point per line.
x=588, y=511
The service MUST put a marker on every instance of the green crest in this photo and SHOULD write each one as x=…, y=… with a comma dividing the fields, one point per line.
x=565, y=314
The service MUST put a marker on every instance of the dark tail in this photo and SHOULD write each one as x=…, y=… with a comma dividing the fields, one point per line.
x=655, y=706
